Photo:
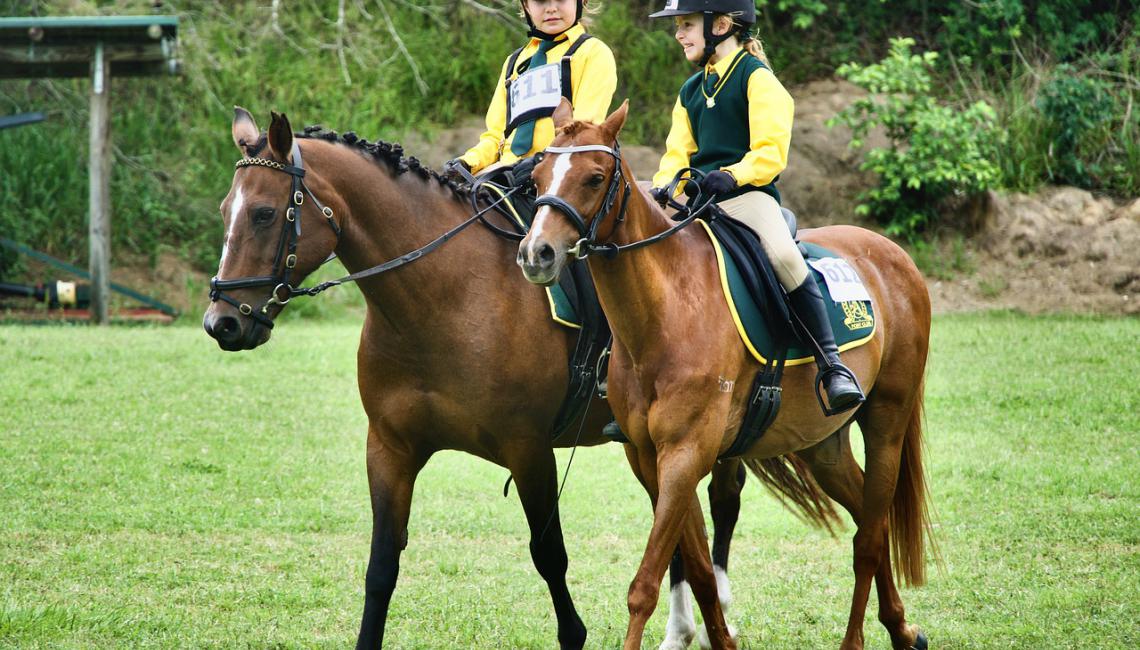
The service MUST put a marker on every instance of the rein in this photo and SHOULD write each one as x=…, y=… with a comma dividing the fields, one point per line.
x=476, y=184
x=588, y=244
x=290, y=236
x=405, y=258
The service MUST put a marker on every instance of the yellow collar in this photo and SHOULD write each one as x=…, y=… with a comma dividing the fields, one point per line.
x=722, y=65
x=568, y=36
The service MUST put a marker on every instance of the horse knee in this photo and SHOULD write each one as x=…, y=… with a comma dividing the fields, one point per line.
x=789, y=262
x=642, y=599
x=549, y=558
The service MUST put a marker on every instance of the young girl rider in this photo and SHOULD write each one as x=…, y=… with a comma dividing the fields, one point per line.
x=560, y=60
x=733, y=121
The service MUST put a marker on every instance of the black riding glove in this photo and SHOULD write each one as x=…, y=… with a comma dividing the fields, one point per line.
x=660, y=195
x=451, y=168
x=718, y=182
x=523, y=172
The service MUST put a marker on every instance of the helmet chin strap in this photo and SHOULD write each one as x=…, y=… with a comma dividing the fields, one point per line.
x=712, y=40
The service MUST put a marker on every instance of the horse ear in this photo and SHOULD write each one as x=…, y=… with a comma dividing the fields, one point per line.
x=564, y=114
x=616, y=120
x=280, y=137
x=244, y=129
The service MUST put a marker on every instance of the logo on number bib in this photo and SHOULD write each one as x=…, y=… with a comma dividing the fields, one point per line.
x=537, y=89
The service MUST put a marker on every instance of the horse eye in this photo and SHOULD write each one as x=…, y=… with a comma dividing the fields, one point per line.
x=262, y=216
x=596, y=180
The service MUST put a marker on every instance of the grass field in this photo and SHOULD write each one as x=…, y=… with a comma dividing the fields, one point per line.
x=157, y=492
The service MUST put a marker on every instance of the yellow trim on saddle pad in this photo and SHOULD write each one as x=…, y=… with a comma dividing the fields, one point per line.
x=727, y=292
x=549, y=296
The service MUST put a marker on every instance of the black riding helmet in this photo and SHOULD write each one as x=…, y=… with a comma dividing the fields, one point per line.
x=534, y=32
x=742, y=12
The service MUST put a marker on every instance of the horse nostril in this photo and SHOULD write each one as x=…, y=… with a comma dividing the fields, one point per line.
x=546, y=254
x=227, y=328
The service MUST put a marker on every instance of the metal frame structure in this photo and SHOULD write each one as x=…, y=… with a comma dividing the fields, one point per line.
x=94, y=47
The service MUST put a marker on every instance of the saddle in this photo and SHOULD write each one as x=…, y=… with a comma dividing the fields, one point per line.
x=759, y=306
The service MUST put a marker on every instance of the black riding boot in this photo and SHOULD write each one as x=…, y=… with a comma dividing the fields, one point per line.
x=613, y=432
x=843, y=392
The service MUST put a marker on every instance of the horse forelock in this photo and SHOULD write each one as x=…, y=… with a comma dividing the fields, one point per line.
x=575, y=129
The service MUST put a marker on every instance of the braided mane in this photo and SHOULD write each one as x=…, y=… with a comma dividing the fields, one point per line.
x=387, y=154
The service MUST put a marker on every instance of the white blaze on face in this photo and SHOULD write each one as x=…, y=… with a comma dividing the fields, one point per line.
x=235, y=209
x=561, y=169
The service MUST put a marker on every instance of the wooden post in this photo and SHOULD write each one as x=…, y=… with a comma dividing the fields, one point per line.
x=99, y=188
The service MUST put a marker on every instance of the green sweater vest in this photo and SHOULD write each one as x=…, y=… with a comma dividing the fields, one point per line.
x=722, y=132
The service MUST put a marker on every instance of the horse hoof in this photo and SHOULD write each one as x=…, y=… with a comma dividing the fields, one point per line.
x=919, y=642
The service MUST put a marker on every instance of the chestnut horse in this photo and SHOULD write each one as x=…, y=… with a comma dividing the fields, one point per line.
x=438, y=365
x=676, y=348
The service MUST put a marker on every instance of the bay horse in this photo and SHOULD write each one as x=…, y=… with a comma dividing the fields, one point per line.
x=676, y=349
x=438, y=364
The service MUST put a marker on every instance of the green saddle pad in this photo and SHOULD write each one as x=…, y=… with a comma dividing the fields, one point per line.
x=853, y=321
x=561, y=309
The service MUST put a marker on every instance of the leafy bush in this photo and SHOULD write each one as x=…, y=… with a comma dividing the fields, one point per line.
x=997, y=33
x=1077, y=110
x=935, y=150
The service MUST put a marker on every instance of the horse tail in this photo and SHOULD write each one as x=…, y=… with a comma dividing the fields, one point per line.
x=791, y=482
x=910, y=512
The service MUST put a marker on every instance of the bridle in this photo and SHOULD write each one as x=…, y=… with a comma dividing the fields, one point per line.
x=587, y=243
x=286, y=258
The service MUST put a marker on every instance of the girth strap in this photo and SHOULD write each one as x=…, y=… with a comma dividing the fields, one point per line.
x=593, y=340
x=763, y=406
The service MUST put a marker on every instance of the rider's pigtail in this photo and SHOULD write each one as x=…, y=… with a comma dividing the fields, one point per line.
x=754, y=47
x=750, y=40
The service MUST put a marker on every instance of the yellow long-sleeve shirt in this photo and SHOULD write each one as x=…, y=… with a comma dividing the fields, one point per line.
x=770, y=113
x=593, y=76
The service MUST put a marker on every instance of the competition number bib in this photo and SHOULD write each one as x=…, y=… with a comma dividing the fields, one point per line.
x=842, y=280
x=537, y=89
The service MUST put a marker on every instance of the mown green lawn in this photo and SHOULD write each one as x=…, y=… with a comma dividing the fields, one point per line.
x=157, y=492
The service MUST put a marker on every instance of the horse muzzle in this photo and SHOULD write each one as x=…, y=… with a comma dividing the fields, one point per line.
x=541, y=262
x=232, y=331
